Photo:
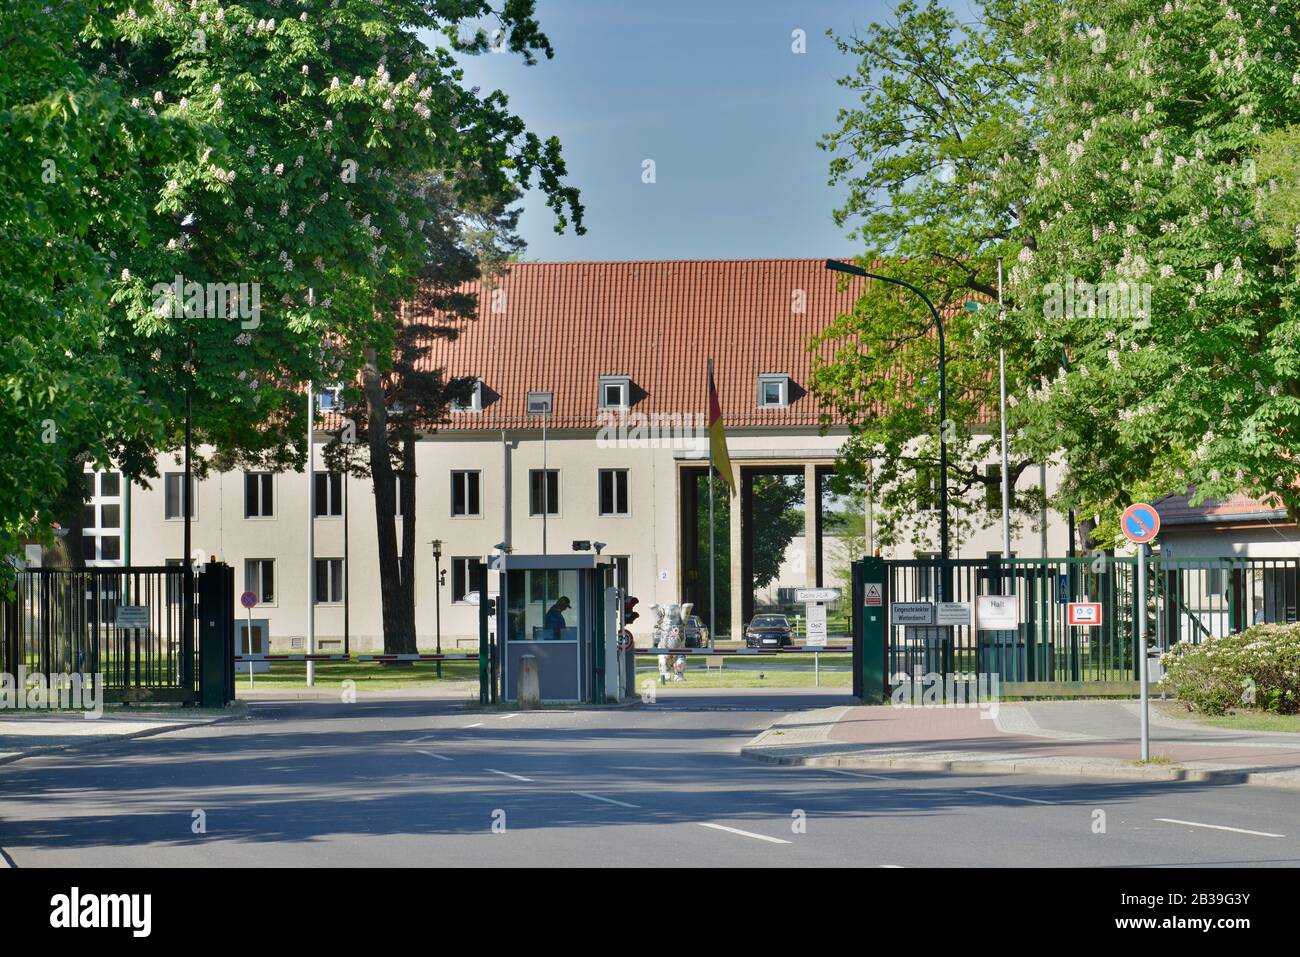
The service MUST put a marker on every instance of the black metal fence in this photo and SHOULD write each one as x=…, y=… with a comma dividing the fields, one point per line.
x=132, y=626
x=1189, y=599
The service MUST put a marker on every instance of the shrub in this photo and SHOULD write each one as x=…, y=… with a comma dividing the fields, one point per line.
x=1259, y=667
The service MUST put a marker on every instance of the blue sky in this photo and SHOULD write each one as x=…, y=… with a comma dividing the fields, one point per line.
x=710, y=91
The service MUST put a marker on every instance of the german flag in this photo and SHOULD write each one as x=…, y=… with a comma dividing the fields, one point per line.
x=718, y=456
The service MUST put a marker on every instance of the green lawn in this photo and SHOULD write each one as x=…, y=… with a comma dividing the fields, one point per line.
x=1240, y=720
x=697, y=677
x=367, y=674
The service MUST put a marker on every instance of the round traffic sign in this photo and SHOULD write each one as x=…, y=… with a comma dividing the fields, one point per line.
x=1140, y=523
x=248, y=599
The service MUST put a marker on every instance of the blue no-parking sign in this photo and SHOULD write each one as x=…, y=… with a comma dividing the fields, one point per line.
x=1140, y=523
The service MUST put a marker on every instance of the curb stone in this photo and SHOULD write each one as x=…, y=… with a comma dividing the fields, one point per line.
x=1288, y=780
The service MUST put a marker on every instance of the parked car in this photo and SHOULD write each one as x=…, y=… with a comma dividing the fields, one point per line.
x=769, y=631
x=697, y=633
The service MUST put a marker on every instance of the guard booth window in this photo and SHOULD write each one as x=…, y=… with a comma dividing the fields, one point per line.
x=543, y=605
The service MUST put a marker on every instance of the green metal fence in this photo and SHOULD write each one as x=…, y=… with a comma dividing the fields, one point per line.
x=1189, y=599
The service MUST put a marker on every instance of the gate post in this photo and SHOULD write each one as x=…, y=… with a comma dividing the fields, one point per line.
x=872, y=637
x=216, y=635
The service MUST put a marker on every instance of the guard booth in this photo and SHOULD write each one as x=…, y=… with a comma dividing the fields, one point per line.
x=564, y=611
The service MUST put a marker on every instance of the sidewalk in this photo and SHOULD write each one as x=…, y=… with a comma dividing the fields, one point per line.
x=1097, y=738
x=27, y=735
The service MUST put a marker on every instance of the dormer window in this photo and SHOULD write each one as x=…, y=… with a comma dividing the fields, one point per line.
x=615, y=391
x=328, y=399
x=773, y=391
x=475, y=401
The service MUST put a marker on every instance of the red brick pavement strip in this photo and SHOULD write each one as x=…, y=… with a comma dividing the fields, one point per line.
x=972, y=730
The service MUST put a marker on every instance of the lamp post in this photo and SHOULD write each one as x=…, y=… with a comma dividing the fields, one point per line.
x=438, y=582
x=853, y=270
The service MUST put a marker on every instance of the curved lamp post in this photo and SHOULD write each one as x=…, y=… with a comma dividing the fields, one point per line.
x=853, y=270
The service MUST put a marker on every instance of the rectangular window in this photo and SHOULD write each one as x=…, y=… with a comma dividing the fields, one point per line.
x=110, y=484
x=465, y=573
x=615, y=392
x=543, y=497
x=773, y=391
x=110, y=516
x=613, y=492
x=259, y=578
x=329, y=581
x=473, y=404
x=465, y=494
x=88, y=548
x=173, y=485
x=110, y=548
x=88, y=516
x=328, y=494
x=258, y=501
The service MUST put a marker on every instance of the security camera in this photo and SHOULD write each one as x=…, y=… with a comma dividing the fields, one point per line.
x=598, y=546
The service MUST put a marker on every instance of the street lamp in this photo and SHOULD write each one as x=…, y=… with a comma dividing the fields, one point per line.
x=438, y=582
x=943, y=402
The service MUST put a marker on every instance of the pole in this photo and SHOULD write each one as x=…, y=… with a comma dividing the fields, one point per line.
x=1006, y=471
x=1143, y=552
x=713, y=594
x=311, y=535
x=437, y=609
x=546, y=484
x=187, y=578
x=347, y=572
x=943, y=404
x=248, y=635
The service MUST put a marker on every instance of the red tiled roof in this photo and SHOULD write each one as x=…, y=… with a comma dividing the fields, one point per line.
x=1175, y=510
x=564, y=325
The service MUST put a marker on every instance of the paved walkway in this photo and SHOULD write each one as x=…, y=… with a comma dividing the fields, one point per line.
x=29, y=734
x=1084, y=737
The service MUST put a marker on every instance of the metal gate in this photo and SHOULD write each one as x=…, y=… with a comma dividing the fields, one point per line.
x=64, y=622
x=1189, y=599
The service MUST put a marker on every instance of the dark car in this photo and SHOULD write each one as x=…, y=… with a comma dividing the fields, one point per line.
x=769, y=631
x=696, y=633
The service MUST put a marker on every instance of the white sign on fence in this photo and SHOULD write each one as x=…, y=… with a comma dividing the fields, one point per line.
x=911, y=613
x=132, y=616
x=997, y=612
x=952, y=613
x=816, y=634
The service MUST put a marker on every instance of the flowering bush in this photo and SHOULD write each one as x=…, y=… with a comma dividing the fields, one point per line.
x=1260, y=667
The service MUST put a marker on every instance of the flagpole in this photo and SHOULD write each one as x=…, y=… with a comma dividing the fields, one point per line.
x=713, y=617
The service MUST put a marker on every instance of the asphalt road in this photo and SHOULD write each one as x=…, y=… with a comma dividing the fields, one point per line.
x=403, y=782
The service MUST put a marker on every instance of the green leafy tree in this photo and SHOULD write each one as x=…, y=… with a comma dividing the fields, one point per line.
x=937, y=158
x=71, y=194
x=1161, y=264
x=317, y=131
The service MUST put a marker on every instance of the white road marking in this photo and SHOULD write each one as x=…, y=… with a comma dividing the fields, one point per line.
x=600, y=797
x=736, y=830
x=506, y=717
x=507, y=774
x=892, y=867
x=427, y=737
x=435, y=754
x=859, y=774
x=478, y=724
x=1010, y=797
x=1218, y=827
